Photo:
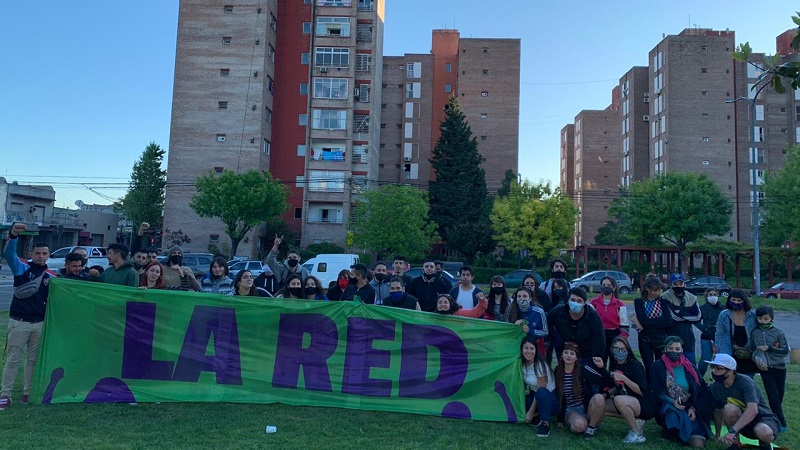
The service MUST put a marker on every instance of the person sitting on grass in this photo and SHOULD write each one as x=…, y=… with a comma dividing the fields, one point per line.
x=540, y=401
x=630, y=398
x=578, y=387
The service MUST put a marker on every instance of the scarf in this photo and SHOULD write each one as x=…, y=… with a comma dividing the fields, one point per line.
x=687, y=366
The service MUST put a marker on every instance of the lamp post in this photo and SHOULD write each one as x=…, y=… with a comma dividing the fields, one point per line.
x=751, y=103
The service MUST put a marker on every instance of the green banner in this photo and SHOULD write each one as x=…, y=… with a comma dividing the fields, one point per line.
x=107, y=343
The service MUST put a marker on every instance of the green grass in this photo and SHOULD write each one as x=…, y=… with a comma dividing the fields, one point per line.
x=779, y=304
x=241, y=426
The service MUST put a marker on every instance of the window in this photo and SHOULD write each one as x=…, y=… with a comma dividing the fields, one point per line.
x=758, y=134
x=363, y=62
x=227, y=40
x=758, y=154
x=326, y=181
x=796, y=113
x=360, y=123
x=364, y=32
x=220, y=138
x=365, y=5
x=410, y=150
x=484, y=93
x=485, y=49
x=306, y=27
x=333, y=88
x=484, y=116
x=302, y=120
x=304, y=58
x=228, y=8
x=271, y=85
x=412, y=110
x=486, y=71
x=448, y=67
x=754, y=70
x=414, y=70
x=448, y=88
x=267, y=147
x=704, y=70
x=224, y=72
x=363, y=93
x=299, y=181
x=360, y=154
x=413, y=90
x=328, y=119
x=218, y=170
x=267, y=115
x=298, y=213
x=271, y=53
x=333, y=26
x=334, y=2
x=303, y=88
x=704, y=92
x=273, y=22
x=411, y=171
x=222, y=105
x=332, y=57
x=759, y=112
x=705, y=139
x=328, y=151
x=756, y=177
x=301, y=150
x=411, y=130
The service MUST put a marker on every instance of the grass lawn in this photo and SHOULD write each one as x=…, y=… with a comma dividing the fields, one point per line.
x=779, y=304
x=241, y=426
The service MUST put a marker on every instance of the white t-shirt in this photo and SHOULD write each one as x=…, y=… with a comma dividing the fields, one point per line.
x=465, y=297
x=532, y=378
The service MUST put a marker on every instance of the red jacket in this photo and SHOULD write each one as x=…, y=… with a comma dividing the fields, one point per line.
x=609, y=315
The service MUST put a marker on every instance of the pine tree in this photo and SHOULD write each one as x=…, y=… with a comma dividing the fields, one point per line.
x=459, y=199
x=144, y=201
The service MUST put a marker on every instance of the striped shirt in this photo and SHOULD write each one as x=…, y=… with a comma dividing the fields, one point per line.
x=569, y=394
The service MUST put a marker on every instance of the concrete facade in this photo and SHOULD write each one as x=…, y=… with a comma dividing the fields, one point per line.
x=634, y=126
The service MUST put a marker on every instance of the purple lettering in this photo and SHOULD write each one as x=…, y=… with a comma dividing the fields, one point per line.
x=290, y=355
x=137, y=353
x=226, y=361
x=360, y=357
x=453, y=362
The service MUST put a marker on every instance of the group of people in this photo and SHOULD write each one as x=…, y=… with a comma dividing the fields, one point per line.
x=596, y=371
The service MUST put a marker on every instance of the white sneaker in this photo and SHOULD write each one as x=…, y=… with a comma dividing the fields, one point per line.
x=634, y=438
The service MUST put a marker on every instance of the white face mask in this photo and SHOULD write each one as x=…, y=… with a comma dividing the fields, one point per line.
x=712, y=299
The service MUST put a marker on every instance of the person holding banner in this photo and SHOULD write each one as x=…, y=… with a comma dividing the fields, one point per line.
x=446, y=304
x=578, y=388
x=313, y=290
x=525, y=311
x=243, y=285
x=293, y=288
x=540, y=383
x=217, y=280
x=341, y=289
x=153, y=276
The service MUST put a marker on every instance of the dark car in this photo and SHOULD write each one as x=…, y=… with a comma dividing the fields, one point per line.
x=417, y=272
x=786, y=289
x=514, y=278
x=698, y=286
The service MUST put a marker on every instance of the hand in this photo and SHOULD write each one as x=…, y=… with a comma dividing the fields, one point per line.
x=763, y=348
x=526, y=329
x=143, y=228
x=598, y=362
x=187, y=272
x=619, y=376
x=529, y=416
x=17, y=229
x=729, y=439
x=277, y=242
x=518, y=322
x=691, y=414
x=94, y=273
x=676, y=403
x=480, y=296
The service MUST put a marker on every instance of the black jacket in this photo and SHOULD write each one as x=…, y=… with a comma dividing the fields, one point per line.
x=407, y=302
x=589, y=335
x=427, y=292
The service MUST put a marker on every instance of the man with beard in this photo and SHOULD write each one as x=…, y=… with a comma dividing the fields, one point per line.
x=685, y=314
x=289, y=267
x=381, y=283
x=176, y=276
x=558, y=270
x=119, y=270
x=426, y=288
x=74, y=268
x=140, y=256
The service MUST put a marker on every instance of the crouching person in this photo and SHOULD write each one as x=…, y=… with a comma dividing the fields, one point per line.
x=540, y=383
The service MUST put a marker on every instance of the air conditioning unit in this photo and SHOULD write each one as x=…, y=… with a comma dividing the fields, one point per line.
x=406, y=158
x=647, y=97
x=645, y=118
x=356, y=92
x=323, y=70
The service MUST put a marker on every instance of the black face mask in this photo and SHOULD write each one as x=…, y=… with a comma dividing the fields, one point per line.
x=719, y=378
x=674, y=356
x=296, y=292
x=557, y=274
x=380, y=277
x=679, y=290
x=175, y=260
x=353, y=281
x=292, y=263
x=138, y=266
x=427, y=277
x=311, y=291
x=497, y=290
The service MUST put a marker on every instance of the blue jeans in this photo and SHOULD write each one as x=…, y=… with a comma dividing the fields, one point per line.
x=546, y=403
x=706, y=353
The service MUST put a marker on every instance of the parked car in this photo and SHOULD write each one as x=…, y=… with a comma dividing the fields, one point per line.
x=97, y=257
x=198, y=262
x=254, y=266
x=786, y=289
x=417, y=272
x=698, y=285
x=514, y=278
x=591, y=281
x=326, y=266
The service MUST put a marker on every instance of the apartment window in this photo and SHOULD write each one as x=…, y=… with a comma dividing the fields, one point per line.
x=414, y=70
x=271, y=85
x=302, y=120
x=483, y=138
x=365, y=5
x=332, y=88
x=704, y=70
x=754, y=70
x=448, y=67
x=227, y=8
x=410, y=150
x=222, y=105
x=364, y=32
x=303, y=88
x=759, y=112
x=218, y=170
x=334, y=2
x=796, y=113
x=224, y=72
x=298, y=213
x=273, y=22
x=758, y=155
x=227, y=40
x=485, y=49
x=411, y=130
x=758, y=134
x=333, y=26
x=268, y=115
x=326, y=181
x=301, y=150
x=299, y=181
x=363, y=93
x=413, y=90
x=705, y=139
x=267, y=147
x=220, y=137
x=332, y=57
x=486, y=71
x=448, y=88
x=306, y=27
x=360, y=123
x=359, y=183
x=484, y=93
x=412, y=110
x=756, y=177
x=305, y=58
x=363, y=62
x=360, y=154
x=271, y=53
x=484, y=116
x=328, y=119
x=704, y=92
x=411, y=171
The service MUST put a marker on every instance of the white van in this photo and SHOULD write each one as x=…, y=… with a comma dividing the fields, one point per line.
x=326, y=267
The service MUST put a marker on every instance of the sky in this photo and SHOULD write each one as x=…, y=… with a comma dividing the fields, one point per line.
x=85, y=87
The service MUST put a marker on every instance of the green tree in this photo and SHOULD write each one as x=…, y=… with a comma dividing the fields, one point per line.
x=781, y=191
x=534, y=217
x=679, y=208
x=505, y=185
x=240, y=200
x=611, y=234
x=144, y=201
x=393, y=219
x=773, y=73
x=459, y=199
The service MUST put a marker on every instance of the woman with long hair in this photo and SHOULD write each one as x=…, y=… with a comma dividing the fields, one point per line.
x=313, y=289
x=525, y=311
x=217, y=280
x=243, y=285
x=294, y=287
x=539, y=387
x=498, y=300
x=733, y=331
x=446, y=304
x=341, y=289
x=612, y=311
x=578, y=389
x=631, y=397
x=153, y=276
x=542, y=298
x=653, y=321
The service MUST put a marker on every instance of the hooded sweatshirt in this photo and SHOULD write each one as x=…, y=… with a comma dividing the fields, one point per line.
x=125, y=275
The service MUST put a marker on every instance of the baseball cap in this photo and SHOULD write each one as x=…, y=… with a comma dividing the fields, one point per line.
x=676, y=277
x=723, y=360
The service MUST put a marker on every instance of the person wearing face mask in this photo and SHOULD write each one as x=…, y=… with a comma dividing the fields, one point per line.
x=739, y=404
x=398, y=298
x=524, y=311
x=541, y=297
x=447, y=305
x=631, y=397
x=579, y=323
x=710, y=311
x=685, y=314
x=313, y=289
x=653, y=321
x=613, y=312
x=427, y=287
x=289, y=267
x=559, y=295
x=176, y=276
x=733, y=331
x=359, y=277
x=676, y=383
x=294, y=288
x=380, y=282
x=341, y=289
x=498, y=300
x=558, y=271
x=768, y=343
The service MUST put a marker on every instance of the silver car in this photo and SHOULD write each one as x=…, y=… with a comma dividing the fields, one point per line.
x=96, y=255
x=591, y=281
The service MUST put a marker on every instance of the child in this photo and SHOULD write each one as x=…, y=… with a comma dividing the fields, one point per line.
x=770, y=340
